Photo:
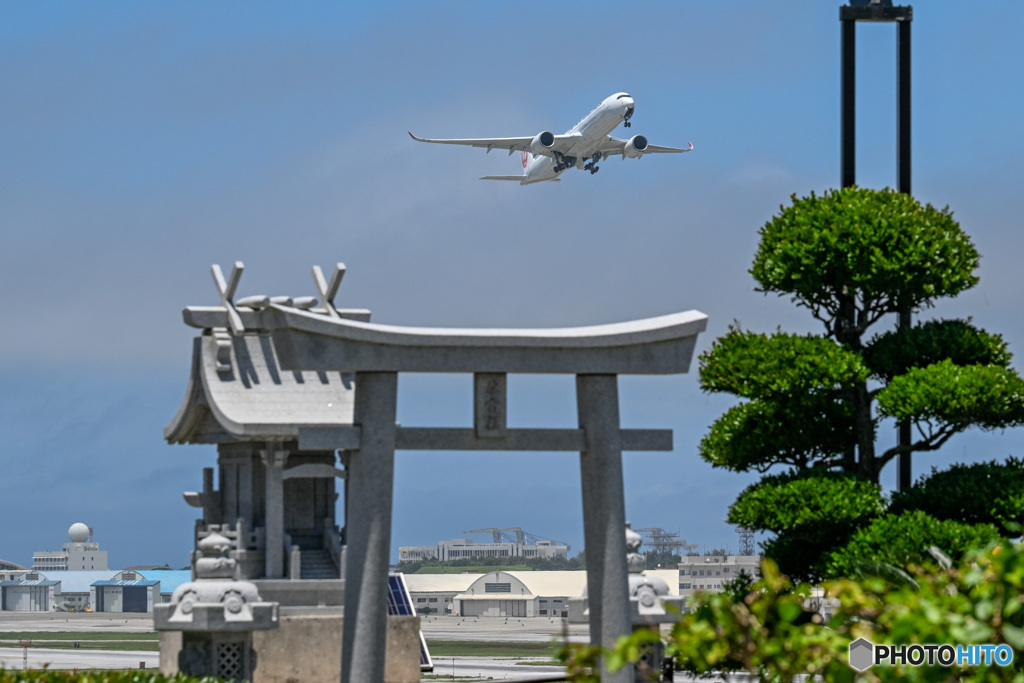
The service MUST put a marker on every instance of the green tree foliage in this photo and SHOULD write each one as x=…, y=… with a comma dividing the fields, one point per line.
x=981, y=493
x=854, y=255
x=903, y=540
x=812, y=514
x=814, y=403
x=800, y=502
x=776, y=631
x=945, y=398
x=896, y=351
x=779, y=366
x=662, y=558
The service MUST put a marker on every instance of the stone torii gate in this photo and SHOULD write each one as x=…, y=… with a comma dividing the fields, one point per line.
x=316, y=340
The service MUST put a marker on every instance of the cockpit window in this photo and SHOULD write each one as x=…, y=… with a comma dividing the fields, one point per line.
x=621, y=96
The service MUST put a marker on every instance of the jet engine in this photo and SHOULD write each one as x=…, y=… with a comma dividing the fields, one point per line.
x=543, y=141
x=635, y=146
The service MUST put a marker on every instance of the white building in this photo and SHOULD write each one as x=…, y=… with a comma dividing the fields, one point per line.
x=9, y=571
x=504, y=594
x=79, y=554
x=462, y=548
x=709, y=572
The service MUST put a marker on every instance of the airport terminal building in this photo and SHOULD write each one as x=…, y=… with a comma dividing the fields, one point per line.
x=463, y=548
x=707, y=573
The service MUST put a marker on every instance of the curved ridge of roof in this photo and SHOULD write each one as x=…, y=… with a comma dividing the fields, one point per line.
x=11, y=566
x=251, y=398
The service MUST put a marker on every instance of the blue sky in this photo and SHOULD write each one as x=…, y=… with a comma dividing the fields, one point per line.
x=142, y=142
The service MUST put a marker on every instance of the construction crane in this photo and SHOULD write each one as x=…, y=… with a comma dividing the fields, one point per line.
x=504, y=536
x=658, y=539
x=499, y=534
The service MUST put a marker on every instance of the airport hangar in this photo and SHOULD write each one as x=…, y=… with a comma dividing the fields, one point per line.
x=99, y=591
x=506, y=594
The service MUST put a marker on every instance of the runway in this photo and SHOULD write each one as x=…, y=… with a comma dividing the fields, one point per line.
x=12, y=658
x=502, y=630
x=71, y=621
x=480, y=629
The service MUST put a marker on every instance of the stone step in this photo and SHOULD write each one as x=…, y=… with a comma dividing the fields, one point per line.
x=317, y=564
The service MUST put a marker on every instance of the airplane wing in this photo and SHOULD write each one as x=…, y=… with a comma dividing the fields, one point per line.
x=616, y=146
x=562, y=143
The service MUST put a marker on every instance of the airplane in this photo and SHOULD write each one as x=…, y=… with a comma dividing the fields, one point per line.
x=546, y=156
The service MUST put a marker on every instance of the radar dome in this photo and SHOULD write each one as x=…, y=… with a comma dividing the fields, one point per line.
x=78, y=533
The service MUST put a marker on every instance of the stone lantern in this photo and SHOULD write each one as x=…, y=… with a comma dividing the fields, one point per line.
x=216, y=615
x=650, y=605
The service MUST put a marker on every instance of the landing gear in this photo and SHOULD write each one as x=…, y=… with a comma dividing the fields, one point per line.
x=592, y=164
x=563, y=162
x=626, y=124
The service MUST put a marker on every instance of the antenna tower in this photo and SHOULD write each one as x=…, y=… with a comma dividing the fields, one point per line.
x=746, y=541
x=656, y=538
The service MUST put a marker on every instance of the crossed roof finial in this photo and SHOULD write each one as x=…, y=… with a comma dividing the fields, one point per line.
x=227, y=289
x=329, y=290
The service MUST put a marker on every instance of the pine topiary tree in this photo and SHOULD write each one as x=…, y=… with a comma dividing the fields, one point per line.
x=814, y=403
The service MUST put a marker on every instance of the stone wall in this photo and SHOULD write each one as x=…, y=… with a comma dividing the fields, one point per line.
x=307, y=649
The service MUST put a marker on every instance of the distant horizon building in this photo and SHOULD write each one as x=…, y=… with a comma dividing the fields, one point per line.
x=708, y=573
x=96, y=591
x=465, y=548
x=504, y=593
x=80, y=553
x=10, y=571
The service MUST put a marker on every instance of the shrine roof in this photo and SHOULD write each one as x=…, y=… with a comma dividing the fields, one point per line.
x=237, y=391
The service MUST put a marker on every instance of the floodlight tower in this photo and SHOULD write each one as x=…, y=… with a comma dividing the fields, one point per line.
x=849, y=15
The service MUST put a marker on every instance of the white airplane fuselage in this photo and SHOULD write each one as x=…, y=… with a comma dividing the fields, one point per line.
x=591, y=131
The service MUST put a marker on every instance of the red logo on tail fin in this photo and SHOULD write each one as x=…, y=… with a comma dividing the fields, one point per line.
x=526, y=156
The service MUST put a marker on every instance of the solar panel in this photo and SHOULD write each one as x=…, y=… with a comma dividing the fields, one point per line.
x=400, y=603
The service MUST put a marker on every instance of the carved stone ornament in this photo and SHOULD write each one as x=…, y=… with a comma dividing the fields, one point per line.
x=215, y=601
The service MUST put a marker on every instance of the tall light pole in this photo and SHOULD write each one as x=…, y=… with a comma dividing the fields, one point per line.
x=849, y=15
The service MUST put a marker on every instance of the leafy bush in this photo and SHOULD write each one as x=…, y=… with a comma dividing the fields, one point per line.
x=777, y=631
